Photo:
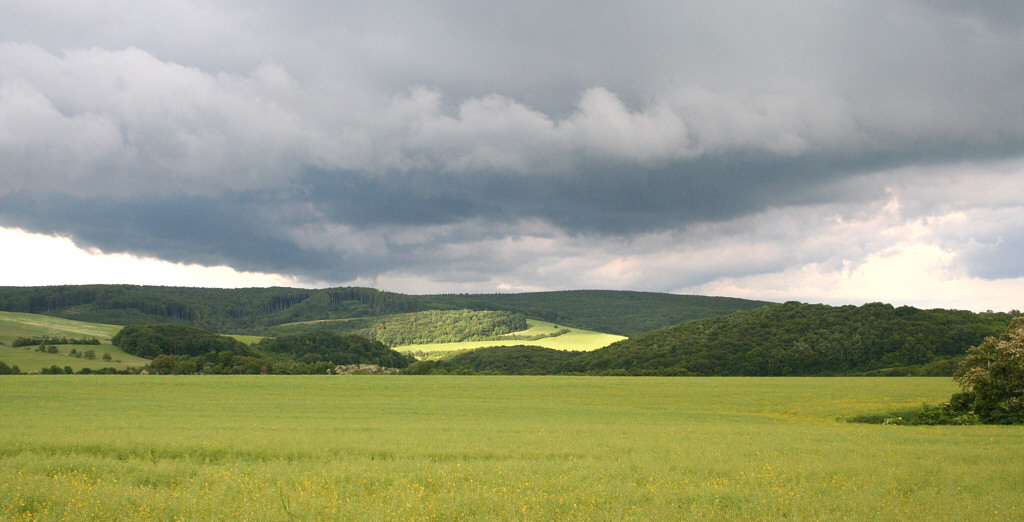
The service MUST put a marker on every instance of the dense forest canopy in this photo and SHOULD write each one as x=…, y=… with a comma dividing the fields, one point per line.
x=609, y=311
x=242, y=310
x=150, y=341
x=801, y=339
x=786, y=339
x=253, y=310
x=182, y=349
x=336, y=349
x=431, y=326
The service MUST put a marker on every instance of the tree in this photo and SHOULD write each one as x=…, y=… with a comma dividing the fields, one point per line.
x=992, y=377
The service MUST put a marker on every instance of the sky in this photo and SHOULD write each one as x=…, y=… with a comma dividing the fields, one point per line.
x=826, y=152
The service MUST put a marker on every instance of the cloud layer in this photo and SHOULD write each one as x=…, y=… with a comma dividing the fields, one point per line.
x=442, y=147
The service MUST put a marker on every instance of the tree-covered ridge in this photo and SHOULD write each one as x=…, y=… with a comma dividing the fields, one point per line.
x=787, y=339
x=432, y=326
x=253, y=310
x=800, y=339
x=610, y=311
x=241, y=310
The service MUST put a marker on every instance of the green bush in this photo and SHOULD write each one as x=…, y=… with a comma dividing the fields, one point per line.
x=992, y=376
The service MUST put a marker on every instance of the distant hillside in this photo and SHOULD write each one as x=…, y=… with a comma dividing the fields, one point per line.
x=243, y=310
x=610, y=311
x=431, y=326
x=54, y=331
x=253, y=310
x=786, y=339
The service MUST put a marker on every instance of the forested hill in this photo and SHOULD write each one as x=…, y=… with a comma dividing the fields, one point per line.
x=776, y=340
x=609, y=311
x=251, y=310
x=801, y=339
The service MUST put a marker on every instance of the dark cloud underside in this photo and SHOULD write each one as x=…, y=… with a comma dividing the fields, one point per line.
x=340, y=141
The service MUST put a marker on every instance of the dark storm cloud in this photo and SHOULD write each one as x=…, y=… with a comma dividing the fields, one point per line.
x=341, y=141
x=199, y=230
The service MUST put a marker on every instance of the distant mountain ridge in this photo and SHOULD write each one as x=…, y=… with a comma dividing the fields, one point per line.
x=252, y=310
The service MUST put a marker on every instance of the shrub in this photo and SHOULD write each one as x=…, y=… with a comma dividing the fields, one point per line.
x=992, y=376
x=926, y=415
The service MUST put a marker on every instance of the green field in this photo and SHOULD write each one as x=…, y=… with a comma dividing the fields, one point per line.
x=493, y=448
x=576, y=339
x=14, y=325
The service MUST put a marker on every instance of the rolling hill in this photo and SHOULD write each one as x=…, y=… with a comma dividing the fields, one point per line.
x=28, y=358
x=254, y=310
x=786, y=339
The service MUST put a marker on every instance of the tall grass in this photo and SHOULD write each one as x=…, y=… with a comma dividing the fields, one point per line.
x=495, y=448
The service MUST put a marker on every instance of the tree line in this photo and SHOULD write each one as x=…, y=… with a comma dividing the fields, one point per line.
x=431, y=326
x=44, y=340
x=181, y=349
x=254, y=310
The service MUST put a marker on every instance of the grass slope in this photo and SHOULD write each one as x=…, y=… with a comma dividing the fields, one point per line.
x=493, y=448
x=432, y=326
x=13, y=325
x=574, y=340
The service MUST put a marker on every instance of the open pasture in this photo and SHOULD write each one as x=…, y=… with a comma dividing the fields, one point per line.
x=14, y=325
x=575, y=339
x=493, y=448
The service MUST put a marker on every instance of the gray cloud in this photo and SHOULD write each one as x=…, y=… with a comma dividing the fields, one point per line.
x=433, y=139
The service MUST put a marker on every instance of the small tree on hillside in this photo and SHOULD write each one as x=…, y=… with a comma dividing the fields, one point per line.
x=992, y=376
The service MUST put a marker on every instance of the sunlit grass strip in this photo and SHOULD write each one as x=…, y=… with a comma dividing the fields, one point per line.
x=575, y=339
x=15, y=324
x=28, y=358
x=501, y=448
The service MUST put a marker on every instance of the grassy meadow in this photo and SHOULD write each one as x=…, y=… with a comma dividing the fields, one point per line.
x=575, y=339
x=493, y=448
x=14, y=325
